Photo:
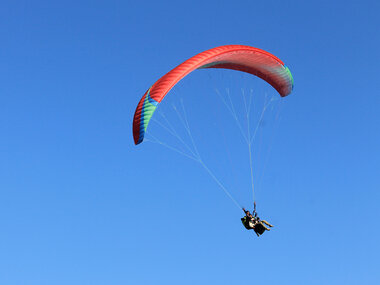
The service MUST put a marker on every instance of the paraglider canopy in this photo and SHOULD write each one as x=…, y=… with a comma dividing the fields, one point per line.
x=236, y=57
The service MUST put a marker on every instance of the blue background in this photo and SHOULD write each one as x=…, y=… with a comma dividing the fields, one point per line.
x=80, y=204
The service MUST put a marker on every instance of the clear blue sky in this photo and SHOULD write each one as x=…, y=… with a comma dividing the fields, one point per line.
x=80, y=204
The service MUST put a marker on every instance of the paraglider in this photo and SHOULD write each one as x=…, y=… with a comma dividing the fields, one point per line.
x=253, y=222
x=234, y=57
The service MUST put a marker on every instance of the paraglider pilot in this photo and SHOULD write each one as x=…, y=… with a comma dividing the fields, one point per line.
x=253, y=222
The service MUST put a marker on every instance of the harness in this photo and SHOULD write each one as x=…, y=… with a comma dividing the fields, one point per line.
x=248, y=223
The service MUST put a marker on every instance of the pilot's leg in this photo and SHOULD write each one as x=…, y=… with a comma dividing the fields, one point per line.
x=264, y=226
x=268, y=224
